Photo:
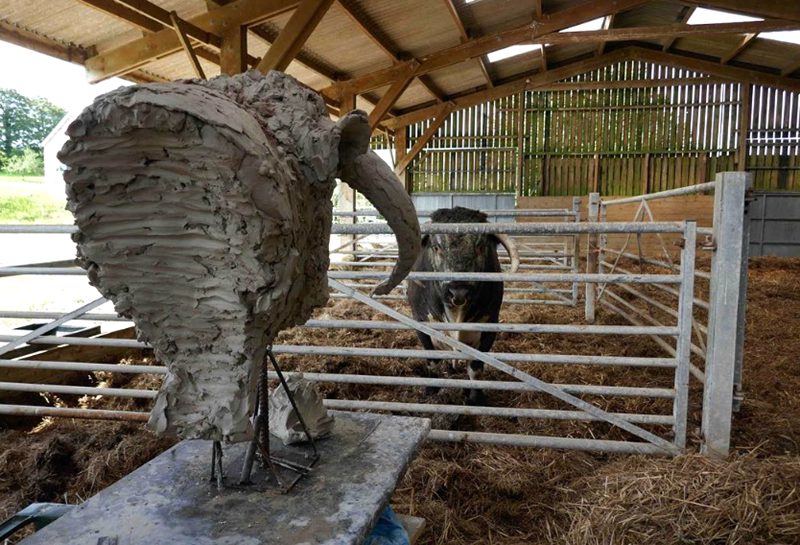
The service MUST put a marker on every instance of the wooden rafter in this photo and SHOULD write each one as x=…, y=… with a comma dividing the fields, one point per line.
x=464, y=37
x=391, y=95
x=162, y=16
x=733, y=73
x=139, y=52
x=682, y=18
x=180, y=30
x=744, y=41
x=538, y=14
x=297, y=30
x=438, y=121
x=76, y=54
x=768, y=9
x=791, y=69
x=387, y=48
x=480, y=46
x=608, y=22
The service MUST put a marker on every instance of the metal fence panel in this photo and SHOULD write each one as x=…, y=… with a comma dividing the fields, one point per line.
x=775, y=224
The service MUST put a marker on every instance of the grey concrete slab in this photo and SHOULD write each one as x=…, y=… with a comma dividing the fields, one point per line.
x=170, y=500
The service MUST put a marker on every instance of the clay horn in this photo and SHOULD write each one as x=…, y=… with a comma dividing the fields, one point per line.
x=511, y=248
x=366, y=172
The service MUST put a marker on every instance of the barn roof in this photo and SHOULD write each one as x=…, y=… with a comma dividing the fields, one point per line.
x=406, y=60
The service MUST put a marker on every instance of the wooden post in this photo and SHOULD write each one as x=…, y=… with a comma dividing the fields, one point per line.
x=520, y=142
x=400, y=152
x=233, y=54
x=726, y=310
x=646, y=174
x=744, y=127
x=347, y=195
x=591, y=257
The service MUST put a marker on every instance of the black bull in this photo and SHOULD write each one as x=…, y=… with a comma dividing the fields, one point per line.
x=460, y=301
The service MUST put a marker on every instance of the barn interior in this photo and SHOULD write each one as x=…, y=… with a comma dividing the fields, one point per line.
x=538, y=112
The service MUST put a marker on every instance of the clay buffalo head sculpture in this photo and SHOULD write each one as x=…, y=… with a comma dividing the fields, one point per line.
x=204, y=212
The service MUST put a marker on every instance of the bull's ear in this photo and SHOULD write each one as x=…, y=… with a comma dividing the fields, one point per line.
x=354, y=135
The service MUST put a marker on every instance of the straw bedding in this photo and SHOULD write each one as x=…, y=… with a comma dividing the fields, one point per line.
x=473, y=494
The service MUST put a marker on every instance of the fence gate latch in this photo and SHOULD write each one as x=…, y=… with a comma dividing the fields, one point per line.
x=709, y=243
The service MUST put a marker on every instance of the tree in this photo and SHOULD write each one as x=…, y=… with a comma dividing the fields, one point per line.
x=25, y=122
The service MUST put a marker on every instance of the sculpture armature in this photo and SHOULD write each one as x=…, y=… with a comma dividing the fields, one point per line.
x=204, y=214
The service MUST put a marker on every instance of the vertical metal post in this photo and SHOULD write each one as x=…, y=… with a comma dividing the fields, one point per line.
x=591, y=257
x=684, y=344
x=726, y=309
x=575, y=250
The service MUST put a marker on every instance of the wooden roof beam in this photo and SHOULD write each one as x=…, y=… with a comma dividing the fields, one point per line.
x=162, y=16
x=297, y=30
x=139, y=52
x=682, y=18
x=744, y=41
x=388, y=99
x=514, y=86
x=768, y=9
x=180, y=29
x=791, y=69
x=608, y=22
x=477, y=47
x=733, y=73
x=464, y=37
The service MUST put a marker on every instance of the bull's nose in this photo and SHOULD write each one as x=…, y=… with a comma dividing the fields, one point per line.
x=458, y=296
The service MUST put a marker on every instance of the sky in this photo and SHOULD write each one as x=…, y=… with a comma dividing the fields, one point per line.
x=36, y=75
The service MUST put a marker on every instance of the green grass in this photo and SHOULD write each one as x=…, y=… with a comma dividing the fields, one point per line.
x=33, y=209
x=4, y=177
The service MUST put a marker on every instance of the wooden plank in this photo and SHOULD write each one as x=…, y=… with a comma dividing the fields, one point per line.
x=292, y=37
x=744, y=127
x=162, y=16
x=233, y=55
x=126, y=14
x=477, y=47
x=138, y=53
x=682, y=18
x=180, y=30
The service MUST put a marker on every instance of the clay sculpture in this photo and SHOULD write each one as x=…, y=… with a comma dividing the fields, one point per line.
x=283, y=421
x=203, y=211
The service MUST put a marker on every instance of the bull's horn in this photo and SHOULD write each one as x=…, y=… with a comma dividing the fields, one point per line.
x=369, y=174
x=511, y=248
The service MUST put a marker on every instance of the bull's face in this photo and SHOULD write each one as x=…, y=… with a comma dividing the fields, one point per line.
x=460, y=253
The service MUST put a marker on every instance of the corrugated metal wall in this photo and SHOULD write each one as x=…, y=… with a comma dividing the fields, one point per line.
x=775, y=224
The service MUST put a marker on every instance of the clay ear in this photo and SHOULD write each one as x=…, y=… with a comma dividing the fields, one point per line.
x=354, y=135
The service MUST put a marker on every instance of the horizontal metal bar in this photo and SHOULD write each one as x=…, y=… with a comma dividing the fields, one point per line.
x=688, y=190
x=76, y=390
x=66, y=412
x=564, y=228
x=614, y=278
x=650, y=261
x=37, y=229
x=83, y=366
x=513, y=386
x=42, y=315
x=582, y=329
x=505, y=301
x=434, y=435
x=377, y=380
x=387, y=352
x=508, y=412
x=524, y=212
x=542, y=441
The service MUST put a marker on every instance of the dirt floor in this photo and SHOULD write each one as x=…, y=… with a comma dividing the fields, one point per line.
x=473, y=494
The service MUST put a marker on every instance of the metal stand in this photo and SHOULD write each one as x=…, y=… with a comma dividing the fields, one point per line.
x=259, y=446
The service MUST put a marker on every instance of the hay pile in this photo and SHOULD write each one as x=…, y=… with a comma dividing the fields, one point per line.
x=690, y=499
x=477, y=494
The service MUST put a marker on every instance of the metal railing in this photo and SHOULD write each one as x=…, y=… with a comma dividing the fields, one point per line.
x=648, y=433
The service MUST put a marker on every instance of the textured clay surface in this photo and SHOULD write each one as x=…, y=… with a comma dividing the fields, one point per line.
x=204, y=214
